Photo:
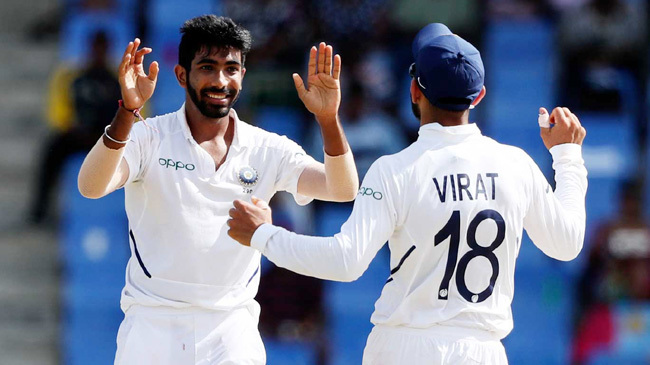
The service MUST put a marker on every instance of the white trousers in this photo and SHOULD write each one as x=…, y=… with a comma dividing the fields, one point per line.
x=162, y=335
x=434, y=346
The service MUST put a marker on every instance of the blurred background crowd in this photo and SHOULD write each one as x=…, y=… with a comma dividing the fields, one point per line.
x=62, y=257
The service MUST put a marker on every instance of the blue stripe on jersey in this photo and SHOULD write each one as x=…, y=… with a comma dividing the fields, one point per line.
x=137, y=255
x=401, y=261
x=255, y=273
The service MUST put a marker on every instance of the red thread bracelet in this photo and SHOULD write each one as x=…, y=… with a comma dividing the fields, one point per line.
x=135, y=111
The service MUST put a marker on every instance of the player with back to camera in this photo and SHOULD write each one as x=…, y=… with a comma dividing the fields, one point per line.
x=189, y=290
x=452, y=206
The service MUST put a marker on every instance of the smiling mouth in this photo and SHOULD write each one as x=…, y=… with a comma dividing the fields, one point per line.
x=217, y=96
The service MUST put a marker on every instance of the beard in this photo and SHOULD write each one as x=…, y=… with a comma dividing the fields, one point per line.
x=207, y=109
x=416, y=110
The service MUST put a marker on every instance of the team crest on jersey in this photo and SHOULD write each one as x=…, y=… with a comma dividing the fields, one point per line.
x=247, y=176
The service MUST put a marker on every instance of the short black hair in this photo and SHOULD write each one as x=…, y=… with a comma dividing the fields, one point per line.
x=211, y=31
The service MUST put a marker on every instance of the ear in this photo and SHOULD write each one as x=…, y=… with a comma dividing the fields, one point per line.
x=243, y=73
x=480, y=96
x=181, y=75
x=416, y=93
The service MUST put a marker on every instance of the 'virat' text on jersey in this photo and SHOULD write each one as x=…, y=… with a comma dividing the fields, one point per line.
x=465, y=186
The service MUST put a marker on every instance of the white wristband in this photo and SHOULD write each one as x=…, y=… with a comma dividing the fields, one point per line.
x=113, y=139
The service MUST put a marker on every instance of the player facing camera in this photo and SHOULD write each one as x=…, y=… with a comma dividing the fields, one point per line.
x=212, y=46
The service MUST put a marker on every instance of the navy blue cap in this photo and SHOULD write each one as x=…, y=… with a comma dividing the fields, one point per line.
x=448, y=69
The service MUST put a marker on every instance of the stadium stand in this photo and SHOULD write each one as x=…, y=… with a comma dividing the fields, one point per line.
x=94, y=250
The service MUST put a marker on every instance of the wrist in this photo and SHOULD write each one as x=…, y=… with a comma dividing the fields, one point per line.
x=128, y=108
x=125, y=117
x=327, y=120
x=117, y=133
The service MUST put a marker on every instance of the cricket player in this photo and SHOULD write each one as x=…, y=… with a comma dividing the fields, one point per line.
x=452, y=206
x=188, y=297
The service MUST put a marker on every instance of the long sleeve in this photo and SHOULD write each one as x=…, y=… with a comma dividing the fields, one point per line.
x=556, y=220
x=345, y=256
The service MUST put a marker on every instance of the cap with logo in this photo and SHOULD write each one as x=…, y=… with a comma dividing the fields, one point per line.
x=448, y=69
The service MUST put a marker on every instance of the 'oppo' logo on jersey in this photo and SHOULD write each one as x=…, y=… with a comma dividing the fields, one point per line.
x=363, y=191
x=169, y=163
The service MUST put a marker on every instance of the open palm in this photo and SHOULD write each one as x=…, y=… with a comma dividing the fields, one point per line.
x=137, y=87
x=322, y=96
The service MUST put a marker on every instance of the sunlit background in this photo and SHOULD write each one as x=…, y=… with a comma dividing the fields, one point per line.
x=62, y=257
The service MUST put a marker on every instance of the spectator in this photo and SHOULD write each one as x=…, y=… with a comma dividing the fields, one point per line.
x=281, y=30
x=94, y=92
x=370, y=132
x=518, y=9
x=618, y=271
x=598, y=41
x=350, y=23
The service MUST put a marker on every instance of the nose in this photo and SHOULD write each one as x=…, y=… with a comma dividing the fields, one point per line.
x=220, y=80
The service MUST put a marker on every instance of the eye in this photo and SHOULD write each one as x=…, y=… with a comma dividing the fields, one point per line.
x=233, y=69
x=206, y=67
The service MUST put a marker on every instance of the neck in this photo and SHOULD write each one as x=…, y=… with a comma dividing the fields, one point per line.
x=204, y=128
x=445, y=118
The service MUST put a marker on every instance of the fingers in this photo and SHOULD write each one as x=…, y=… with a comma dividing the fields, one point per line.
x=126, y=58
x=582, y=135
x=126, y=61
x=337, y=67
x=567, y=113
x=136, y=44
x=132, y=55
x=320, y=61
x=312, y=61
x=128, y=50
x=239, y=204
x=139, y=55
x=567, y=128
x=300, y=85
x=236, y=211
x=321, y=57
x=560, y=118
x=328, y=60
x=579, y=132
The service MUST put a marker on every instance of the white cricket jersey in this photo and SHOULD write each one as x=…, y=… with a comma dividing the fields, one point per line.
x=453, y=206
x=177, y=205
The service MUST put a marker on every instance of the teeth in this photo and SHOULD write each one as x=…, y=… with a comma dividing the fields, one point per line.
x=216, y=96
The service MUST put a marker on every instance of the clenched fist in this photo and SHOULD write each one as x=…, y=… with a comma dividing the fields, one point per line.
x=245, y=218
x=564, y=128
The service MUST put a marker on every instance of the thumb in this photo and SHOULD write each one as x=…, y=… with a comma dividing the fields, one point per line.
x=153, y=71
x=543, y=118
x=259, y=202
x=300, y=85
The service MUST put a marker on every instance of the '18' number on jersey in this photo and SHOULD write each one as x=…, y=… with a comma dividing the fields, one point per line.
x=452, y=230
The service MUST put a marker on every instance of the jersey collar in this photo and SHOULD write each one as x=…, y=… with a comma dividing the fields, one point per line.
x=457, y=130
x=180, y=115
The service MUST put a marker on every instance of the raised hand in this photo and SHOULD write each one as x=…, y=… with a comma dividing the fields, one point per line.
x=322, y=96
x=564, y=128
x=137, y=87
